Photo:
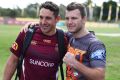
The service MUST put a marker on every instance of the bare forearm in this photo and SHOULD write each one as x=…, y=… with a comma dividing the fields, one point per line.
x=90, y=73
x=10, y=67
x=9, y=71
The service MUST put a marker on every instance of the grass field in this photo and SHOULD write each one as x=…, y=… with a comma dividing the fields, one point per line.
x=8, y=33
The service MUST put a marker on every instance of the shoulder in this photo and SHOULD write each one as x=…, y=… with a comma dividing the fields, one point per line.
x=96, y=44
x=29, y=25
x=93, y=41
x=97, y=52
x=60, y=32
x=97, y=49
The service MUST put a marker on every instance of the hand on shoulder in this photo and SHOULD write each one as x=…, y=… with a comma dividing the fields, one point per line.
x=29, y=24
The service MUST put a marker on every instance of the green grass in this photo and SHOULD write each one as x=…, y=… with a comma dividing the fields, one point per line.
x=8, y=34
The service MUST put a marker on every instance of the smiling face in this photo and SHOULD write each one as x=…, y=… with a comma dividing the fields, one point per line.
x=47, y=21
x=75, y=23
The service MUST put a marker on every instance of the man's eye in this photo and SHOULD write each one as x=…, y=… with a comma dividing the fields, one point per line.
x=74, y=18
x=48, y=18
x=41, y=17
x=66, y=18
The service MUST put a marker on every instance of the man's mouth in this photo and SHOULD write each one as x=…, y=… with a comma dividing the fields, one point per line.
x=44, y=27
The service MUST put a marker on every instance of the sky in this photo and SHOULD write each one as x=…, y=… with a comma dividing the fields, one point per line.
x=23, y=3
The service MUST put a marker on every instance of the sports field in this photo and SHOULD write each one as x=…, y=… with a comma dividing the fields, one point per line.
x=8, y=33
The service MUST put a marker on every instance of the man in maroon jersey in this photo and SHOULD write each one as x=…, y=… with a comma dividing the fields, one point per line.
x=42, y=58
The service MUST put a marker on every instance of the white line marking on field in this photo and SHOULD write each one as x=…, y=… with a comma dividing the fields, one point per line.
x=108, y=34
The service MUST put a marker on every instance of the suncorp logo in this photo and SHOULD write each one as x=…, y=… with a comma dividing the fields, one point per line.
x=41, y=63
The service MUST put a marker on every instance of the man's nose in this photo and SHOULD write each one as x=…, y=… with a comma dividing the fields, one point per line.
x=70, y=21
x=43, y=21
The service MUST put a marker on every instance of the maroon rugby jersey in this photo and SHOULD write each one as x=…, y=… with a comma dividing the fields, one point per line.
x=42, y=58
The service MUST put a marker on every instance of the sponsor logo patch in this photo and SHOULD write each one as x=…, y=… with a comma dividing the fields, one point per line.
x=99, y=54
x=15, y=46
x=34, y=42
x=41, y=63
x=46, y=41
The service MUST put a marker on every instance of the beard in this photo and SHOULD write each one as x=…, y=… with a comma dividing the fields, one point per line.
x=77, y=30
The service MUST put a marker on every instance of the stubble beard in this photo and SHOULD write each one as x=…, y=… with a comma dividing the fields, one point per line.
x=77, y=31
x=48, y=31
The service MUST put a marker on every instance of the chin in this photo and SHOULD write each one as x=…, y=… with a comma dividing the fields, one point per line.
x=72, y=31
x=44, y=31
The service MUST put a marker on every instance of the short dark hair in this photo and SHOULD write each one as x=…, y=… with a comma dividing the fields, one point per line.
x=51, y=6
x=74, y=5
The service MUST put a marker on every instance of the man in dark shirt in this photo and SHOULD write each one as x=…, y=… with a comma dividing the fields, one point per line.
x=86, y=56
x=42, y=58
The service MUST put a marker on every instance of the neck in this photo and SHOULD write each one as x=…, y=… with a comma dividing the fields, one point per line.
x=50, y=33
x=81, y=33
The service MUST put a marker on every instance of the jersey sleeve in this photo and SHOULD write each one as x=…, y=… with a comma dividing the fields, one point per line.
x=98, y=55
x=17, y=45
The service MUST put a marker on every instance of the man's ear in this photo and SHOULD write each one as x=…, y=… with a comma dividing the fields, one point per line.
x=84, y=19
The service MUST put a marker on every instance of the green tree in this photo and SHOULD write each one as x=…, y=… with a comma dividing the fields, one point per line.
x=62, y=11
x=106, y=10
x=31, y=10
x=114, y=6
x=96, y=12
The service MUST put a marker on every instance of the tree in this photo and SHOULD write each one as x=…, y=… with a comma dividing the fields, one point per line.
x=31, y=10
x=96, y=12
x=114, y=6
x=62, y=11
x=106, y=10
